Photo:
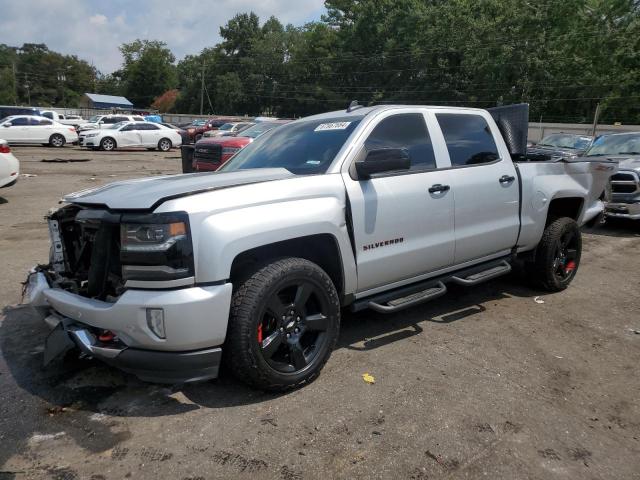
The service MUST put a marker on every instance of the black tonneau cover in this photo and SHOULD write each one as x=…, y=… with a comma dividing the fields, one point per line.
x=513, y=122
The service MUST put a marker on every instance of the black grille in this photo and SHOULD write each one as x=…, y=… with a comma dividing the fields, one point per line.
x=208, y=153
x=624, y=182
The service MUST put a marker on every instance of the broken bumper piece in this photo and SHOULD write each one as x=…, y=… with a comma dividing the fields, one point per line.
x=187, y=351
x=148, y=365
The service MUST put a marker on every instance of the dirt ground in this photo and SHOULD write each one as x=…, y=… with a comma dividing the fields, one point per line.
x=482, y=383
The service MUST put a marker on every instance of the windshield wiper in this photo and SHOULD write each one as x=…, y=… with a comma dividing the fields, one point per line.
x=628, y=153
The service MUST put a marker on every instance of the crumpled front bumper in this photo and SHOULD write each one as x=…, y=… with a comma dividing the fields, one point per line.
x=195, y=324
x=623, y=210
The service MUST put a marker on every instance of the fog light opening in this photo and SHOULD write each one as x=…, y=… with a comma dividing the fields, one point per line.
x=155, y=321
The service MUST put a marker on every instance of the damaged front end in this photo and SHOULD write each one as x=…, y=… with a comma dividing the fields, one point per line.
x=112, y=280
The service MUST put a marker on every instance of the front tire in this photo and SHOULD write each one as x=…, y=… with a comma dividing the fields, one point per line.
x=164, y=145
x=57, y=140
x=107, y=144
x=284, y=323
x=557, y=255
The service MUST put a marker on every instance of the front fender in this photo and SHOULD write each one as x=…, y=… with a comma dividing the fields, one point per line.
x=225, y=235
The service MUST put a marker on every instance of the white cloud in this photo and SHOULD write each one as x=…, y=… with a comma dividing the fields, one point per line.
x=98, y=19
x=95, y=29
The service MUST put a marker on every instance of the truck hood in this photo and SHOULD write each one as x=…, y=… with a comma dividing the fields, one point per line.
x=628, y=163
x=148, y=193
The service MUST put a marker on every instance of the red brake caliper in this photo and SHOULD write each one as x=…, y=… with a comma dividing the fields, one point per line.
x=570, y=267
x=260, y=333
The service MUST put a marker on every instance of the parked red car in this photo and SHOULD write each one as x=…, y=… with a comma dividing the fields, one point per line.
x=196, y=129
x=211, y=152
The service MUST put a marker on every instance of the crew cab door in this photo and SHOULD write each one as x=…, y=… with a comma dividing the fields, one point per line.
x=401, y=229
x=484, y=184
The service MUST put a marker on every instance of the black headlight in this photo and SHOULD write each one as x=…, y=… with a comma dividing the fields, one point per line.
x=156, y=247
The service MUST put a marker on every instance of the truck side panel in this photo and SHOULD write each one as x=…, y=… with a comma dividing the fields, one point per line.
x=544, y=182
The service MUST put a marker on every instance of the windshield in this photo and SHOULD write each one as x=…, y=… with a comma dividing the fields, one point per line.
x=94, y=118
x=115, y=126
x=258, y=129
x=226, y=126
x=302, y=147
x=563, y=140
x=615, y=145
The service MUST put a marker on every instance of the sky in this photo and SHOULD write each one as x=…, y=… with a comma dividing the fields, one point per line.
x=94, y=29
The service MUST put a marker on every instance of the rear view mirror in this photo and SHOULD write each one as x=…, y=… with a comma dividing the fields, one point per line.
x=383, y=160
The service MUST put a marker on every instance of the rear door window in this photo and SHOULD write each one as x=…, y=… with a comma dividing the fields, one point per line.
x=406, y=130
x=469, y=139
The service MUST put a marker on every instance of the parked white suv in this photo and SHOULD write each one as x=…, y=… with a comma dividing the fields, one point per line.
x=34, y=129
x=101, y=121
x=377, y=207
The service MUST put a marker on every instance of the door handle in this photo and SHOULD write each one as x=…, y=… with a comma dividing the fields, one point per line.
x=438, y=187
x=506, y=179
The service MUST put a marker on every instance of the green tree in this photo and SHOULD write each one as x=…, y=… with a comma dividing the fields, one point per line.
x=148, y=70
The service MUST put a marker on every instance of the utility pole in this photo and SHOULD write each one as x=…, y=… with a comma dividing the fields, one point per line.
x=62, y=78
x=202, y=90
x=595, y=120
x=26, y=85
x=15, y=84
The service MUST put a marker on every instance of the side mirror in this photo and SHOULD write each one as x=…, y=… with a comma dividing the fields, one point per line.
x=382, y=160
x=7, y=125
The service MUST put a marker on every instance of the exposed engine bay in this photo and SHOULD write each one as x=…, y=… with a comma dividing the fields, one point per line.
x=85, y=252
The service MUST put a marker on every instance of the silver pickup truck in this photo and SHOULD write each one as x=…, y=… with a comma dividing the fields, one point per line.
x=377, y=207
x=623, y=199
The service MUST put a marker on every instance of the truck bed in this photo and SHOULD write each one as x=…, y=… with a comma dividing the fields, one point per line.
x=574, y=177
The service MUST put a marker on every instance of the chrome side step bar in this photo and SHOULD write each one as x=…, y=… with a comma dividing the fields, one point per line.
x=417, y=298
x=502, y=269
x=417, y=293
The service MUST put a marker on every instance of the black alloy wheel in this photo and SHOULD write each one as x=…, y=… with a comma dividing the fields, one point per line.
x=283, y=325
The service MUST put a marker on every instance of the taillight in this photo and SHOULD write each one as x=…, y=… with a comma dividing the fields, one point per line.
x=72, y=130
x=4, y=148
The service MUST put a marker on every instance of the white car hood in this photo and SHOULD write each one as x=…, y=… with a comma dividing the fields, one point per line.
x=148, y=193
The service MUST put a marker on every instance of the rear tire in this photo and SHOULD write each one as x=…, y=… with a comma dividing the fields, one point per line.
x=284, y=323
x=164, y=145
x=57, y=140
x=557, y=255
x=107, y=144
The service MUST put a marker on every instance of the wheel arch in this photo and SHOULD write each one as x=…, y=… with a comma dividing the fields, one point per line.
x=565, y=207
x=321, y=249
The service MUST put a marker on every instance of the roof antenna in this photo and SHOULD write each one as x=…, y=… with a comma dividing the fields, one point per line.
x=354, y=105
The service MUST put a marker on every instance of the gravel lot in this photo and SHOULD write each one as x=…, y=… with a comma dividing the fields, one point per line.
x=485, y=382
